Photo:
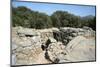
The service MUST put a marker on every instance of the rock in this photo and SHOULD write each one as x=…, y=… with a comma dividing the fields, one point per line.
x=70, y=37
x=54, y=51
x=52, y=40
x=55, y=29
x=74, y=34
x=80, y=49
x=87, y=28
x=36, y=39
x=26, y=32
x=49, y=41
x=14, y=46
x=74, y=42
x=81, y=33
x=57, y=35
x=53, y=45
x=89, y=33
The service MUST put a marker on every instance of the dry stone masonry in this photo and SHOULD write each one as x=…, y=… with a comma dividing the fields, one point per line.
x=53, y=45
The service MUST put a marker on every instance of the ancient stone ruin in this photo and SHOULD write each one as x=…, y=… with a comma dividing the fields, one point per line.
x=43, y=46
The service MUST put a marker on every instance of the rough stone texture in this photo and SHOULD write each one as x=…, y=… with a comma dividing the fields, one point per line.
x=56, y=51
x=41, y=46
x=81, y=49
x=66, y=34
x=26, y=31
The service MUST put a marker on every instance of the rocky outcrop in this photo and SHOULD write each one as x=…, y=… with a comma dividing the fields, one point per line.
x=35, y=46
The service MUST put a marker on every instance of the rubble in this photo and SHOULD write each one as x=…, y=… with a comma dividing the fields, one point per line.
x=41, y=46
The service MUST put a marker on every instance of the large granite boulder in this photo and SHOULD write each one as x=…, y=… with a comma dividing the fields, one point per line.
x=81, y=49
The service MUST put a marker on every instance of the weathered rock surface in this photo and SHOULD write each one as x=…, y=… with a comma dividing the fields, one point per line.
x=31, y=46
x=81, y=49
x=56, y=52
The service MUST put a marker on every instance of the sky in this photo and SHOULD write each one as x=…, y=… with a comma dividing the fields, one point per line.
x=50, y=8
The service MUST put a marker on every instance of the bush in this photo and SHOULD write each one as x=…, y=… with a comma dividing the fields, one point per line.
x=25, y=17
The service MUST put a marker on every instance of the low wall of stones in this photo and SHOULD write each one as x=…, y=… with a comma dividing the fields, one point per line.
x=30, y=46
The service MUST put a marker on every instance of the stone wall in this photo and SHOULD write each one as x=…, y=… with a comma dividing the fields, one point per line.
x=41, y=46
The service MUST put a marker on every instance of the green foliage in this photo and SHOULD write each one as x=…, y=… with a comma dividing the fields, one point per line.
x=22, y=16
x=25, y=17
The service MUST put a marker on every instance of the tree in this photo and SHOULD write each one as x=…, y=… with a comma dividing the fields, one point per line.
x=25, y=17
